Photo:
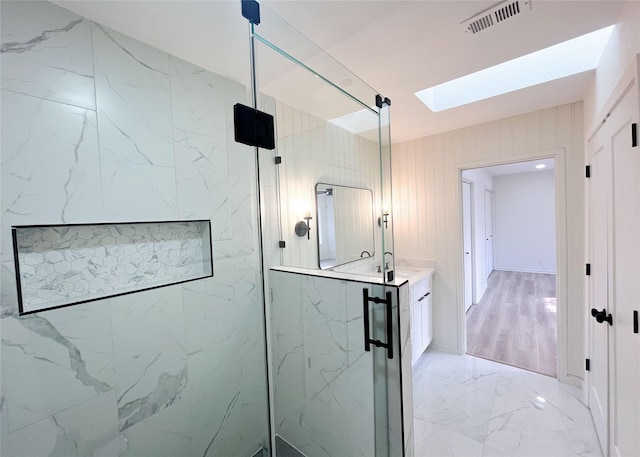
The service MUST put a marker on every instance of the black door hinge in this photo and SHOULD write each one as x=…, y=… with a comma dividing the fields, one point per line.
x=253, y=127
x=251, y=11
x=587, y=364
x=634, y=135
x=380, y=101
x=587, y=171
x=588, y=270
x=281, y=244
x=278, y=160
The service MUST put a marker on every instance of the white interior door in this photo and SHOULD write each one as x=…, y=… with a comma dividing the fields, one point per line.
x=466, y=242
x=488, y=230
x=624, y=353
x=599, y=194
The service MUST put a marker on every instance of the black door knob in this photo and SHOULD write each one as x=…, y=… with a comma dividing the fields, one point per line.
x=602, y=316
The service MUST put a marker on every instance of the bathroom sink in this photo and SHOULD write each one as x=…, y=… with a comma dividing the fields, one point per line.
x=405, y=273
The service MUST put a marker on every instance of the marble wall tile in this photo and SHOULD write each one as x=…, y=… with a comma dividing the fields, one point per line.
x=350, y=397
x=227, y=409
x=325, y=331
x=164, y=434
x=154, y=188
x=46, y=52
x=202, y=171
x=149, y=348
x=209, y=310
x=312, y=319
x=5, y=449
x=286, y=299
x=8, y=291
x=55, y=360
x=198, y=99
x=243, y=216
x=50, y=164
x=355, y=321
x=133, y=98
x=407, y=378
x=295, y=431
x=136, y=132
x=75, y=432
x=289, y=363
x=218, y=406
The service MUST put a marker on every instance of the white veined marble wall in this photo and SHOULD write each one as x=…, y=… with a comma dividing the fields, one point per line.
x=327, y=389
x=99, y=127
x=323, y=379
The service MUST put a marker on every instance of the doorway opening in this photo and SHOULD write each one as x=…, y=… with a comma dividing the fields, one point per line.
x=509, y=265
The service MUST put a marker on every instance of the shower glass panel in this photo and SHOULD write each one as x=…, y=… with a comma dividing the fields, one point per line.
x=332, y=393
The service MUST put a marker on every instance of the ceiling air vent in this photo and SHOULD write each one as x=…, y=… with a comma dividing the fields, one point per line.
x=494, y=15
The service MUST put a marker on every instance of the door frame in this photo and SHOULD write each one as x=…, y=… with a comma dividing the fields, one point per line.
x=562, y=256
x=488, y=193
x=472, y=221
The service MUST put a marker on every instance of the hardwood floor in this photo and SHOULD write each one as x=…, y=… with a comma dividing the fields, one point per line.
x=515, y=321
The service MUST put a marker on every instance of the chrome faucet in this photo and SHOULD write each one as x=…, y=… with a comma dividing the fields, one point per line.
x=386, y=264
x=365, y=252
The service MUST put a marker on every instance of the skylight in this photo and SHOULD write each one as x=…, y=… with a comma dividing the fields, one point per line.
x=564, y=59
x=359, y=121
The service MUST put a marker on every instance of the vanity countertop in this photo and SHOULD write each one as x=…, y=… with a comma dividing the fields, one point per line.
x=402, y=274
x=412, y=274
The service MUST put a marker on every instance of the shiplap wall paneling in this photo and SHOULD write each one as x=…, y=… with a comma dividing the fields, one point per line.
x=427, y=171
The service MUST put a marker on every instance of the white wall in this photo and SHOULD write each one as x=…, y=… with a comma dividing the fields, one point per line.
x=481, y=180
x=618, y=55
x=524, y=214
x=426, y=205
x=314, y=151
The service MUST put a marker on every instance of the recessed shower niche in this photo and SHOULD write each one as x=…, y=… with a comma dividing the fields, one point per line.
x=62, y=265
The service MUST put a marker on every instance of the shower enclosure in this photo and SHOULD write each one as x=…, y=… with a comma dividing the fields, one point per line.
x=294, y=334
x=332, y=311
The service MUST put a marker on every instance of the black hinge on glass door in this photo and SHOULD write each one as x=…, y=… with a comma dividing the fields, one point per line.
x=389, y=325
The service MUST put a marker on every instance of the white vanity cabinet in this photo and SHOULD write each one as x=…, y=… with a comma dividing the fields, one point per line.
x=421, y=315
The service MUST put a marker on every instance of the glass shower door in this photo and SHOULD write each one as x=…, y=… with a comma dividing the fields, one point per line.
x=333, y=320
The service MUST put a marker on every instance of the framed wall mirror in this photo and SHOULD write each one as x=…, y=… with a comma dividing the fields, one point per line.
x=344, y=223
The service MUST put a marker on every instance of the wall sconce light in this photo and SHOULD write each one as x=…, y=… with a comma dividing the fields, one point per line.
x=302, y=227
x=384, y=219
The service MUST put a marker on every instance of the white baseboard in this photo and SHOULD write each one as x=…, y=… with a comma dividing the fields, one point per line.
x=524, y=270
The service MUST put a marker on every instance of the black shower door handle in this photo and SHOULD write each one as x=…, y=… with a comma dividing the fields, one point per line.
x=389, y=323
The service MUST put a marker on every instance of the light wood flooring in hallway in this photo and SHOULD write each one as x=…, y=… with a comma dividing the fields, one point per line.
x=515, y=321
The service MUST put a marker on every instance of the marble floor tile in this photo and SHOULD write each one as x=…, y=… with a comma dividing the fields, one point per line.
x=437, y=441
x=467, y=406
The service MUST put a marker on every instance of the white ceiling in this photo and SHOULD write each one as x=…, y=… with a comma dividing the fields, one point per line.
x=519, y=167
x=397, y=47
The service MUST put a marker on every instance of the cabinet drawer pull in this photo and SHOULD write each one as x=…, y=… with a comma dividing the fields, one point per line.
x=424, y=296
